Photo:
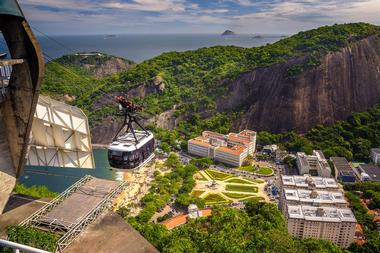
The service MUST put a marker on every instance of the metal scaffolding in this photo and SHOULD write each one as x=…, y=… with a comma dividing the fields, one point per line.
x=70, y=230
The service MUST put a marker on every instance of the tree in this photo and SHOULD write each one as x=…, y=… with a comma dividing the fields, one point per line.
x=165, y=147
x=290, y=161
x=375, y=201
x=248, y=160
x=172, y=161
x=201, y=163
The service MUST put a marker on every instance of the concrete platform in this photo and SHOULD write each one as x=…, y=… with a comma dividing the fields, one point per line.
x=110, y=233
x=18, y=208
x=80, y=203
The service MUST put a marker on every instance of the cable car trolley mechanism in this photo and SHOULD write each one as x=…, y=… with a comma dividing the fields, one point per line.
x=130, y=149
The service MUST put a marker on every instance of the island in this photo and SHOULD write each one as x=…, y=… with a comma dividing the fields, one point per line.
x=227, y=33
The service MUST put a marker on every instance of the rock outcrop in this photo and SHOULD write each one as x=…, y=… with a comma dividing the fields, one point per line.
x=345, y=81
x=95, y=64
x=156, y=85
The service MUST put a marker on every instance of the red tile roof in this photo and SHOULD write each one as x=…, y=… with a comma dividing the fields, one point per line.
x=206, y=212
x=237, y=150
x=201, y=143
x=360, y=242
x=238, y=139
x=175, y=221
x=182, y=219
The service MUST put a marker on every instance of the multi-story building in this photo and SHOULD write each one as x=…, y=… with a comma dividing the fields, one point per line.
x=315, y=164
x=328, y=223
x=231, y=149
x=343, y=170
x=308, y=182
x=375, y=156
x=316, y=207
x=312, y=198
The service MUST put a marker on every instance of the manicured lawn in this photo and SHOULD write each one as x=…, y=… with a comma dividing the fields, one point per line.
x=217, y=175
x=254, y=198
x=264, y=171
x=248, y=168
x=241, y=188
x=200, y=177
x=197, y=193
x=215, y=199
x=236, y=195
x=258, y=181
x=238, y=181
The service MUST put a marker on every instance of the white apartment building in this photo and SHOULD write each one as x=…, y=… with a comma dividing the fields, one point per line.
x=312, y=198
x=308, y=182
x=315, y=164
x=328, y=223
x=230, y=149
x=316, y=207
x=375, y=156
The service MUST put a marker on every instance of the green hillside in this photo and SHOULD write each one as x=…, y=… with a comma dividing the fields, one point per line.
x=194, y=78
x=76, y=74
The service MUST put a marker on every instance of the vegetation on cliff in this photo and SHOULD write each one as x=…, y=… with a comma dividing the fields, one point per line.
x=194, y=79
x=37, y=191
x=352, y=138
x=32, y=237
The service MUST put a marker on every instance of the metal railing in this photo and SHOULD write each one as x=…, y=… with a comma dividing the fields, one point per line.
x=104, y=205
x=35, y=218
x=73, y=230
x=17, y=247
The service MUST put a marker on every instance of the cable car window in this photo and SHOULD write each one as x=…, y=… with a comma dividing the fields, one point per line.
x=115, y=153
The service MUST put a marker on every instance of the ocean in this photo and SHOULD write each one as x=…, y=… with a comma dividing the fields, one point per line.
x=140, y=47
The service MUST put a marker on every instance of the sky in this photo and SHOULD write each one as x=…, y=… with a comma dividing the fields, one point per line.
x=194, y=16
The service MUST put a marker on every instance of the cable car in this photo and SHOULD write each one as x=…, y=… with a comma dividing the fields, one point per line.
x=130, y=149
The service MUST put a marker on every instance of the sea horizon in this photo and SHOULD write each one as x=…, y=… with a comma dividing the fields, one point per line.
x=141, y=47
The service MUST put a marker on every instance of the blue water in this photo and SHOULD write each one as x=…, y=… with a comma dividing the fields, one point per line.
x=140, y=47
x=58, y=179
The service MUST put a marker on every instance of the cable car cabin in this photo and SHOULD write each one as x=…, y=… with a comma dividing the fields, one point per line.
x=124, y=153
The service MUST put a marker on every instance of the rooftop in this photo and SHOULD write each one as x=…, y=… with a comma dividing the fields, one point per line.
x=237, y=149
x=110, y=233
x=127, y=142
x=325, y=214
x=373, y=171
x=341, y=163
x=314, y=197
x=80, y=203
x=232, y=143
x=182, y=219
x=175, y=221
x=309, y=182
x=375, y=150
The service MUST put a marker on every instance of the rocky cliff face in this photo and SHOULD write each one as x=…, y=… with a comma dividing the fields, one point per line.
x=345, y=81
x=104, y=132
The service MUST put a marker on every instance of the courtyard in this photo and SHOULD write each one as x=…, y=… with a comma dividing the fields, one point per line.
x=217, y=187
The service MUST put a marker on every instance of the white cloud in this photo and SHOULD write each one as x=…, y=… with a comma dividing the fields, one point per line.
x=148, y=5
x=250, y=16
